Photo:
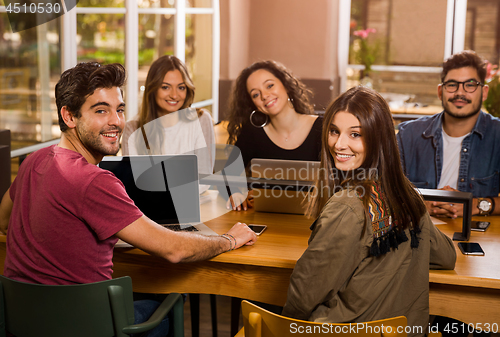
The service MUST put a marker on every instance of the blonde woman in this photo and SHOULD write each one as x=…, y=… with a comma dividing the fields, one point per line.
x=166, y=124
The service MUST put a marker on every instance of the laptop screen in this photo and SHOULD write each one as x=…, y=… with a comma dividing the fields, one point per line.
x=165, y=188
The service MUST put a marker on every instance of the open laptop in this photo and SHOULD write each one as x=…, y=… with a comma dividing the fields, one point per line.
x=282, y=200
x=164, y=187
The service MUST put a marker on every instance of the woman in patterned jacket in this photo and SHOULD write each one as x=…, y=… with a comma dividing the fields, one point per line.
x=373, y=242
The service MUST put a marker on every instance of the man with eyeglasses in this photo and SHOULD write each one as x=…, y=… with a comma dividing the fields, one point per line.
x=459, y=148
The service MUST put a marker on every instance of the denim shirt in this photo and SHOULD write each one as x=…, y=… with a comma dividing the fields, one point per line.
x=421, y=150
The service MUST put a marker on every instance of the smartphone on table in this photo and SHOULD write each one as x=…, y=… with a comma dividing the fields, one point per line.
x=480, y=226
x=258, y=229
x=470, y=248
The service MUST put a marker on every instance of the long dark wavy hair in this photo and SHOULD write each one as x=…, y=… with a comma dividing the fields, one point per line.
x=241, y=104
x=381, y=163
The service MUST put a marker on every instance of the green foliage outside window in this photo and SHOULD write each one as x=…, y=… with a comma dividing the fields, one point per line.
x=492, y=103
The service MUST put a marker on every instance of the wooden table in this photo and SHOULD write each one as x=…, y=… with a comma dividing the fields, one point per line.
x=417, y=110
x=470, y=293
x=409, y=112
x=260, y=272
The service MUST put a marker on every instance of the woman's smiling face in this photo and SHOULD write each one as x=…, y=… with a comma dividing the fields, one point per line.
x=267, y=92
x=346, y=141
x=171, y=95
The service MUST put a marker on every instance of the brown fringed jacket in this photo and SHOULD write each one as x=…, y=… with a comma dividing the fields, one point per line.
x=357, y=269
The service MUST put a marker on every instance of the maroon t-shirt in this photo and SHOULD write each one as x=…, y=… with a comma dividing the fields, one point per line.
x=65, y=214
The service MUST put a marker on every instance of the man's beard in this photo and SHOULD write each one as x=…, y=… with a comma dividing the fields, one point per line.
x=94, y=143
x=474, y=111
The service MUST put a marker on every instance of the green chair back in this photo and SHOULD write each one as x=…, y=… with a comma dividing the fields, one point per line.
x=101, y=309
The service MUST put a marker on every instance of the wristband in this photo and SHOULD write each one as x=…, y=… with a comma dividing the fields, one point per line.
x=230, y=243
x=233, y=239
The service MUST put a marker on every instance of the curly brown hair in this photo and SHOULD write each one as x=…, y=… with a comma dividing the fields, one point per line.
x=241, y=104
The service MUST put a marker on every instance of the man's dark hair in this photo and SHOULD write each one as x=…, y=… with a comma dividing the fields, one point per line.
x=79, y=82
x=466, y=58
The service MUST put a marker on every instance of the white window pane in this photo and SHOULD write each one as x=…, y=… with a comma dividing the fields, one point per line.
x=156, y=3
x=156, y=38
x=199, y=53
x=409, y=34
x=482, y=31
x=199, y=3
x=23, y=59
x=101, y=3
x=101, y=38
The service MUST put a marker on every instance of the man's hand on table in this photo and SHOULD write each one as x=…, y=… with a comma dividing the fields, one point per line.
x=446, y=209
x=242, y=234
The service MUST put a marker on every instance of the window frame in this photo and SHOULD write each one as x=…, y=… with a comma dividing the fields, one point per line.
x=454, y=40
x=132, y=11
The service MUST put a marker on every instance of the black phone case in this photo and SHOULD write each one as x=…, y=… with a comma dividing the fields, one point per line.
x=473, y=250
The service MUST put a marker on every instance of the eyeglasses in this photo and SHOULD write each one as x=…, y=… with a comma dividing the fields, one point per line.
x=470, y=86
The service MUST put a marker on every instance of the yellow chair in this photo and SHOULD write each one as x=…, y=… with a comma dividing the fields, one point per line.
x=258, y=322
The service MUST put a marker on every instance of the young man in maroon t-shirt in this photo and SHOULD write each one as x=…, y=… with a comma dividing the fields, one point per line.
x=63, y=214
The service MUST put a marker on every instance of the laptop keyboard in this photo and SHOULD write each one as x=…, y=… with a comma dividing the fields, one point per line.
x=177, y=228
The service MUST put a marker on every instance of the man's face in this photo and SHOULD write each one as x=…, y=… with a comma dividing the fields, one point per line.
x=101, y=122
x=462, y=104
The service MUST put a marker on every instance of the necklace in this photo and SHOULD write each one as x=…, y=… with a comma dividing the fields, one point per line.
x=286, y=137
x=279, y=134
